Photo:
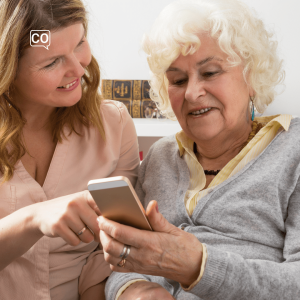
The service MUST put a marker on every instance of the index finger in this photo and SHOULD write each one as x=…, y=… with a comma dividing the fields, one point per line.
x=91, y=202
x=89, y=216
x=124, y=234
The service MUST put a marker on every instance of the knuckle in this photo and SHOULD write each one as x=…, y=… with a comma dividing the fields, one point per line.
x=56, y=228
x=108, y=258
x=108, y=247
x=117, y=233
x=72, y=204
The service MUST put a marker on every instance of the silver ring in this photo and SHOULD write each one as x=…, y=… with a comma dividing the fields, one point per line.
x=81, y=231
x=123, y=251
x=127, y=252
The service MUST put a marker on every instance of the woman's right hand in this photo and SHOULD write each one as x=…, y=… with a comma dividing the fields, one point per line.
x=145, y=290
x=65, y=216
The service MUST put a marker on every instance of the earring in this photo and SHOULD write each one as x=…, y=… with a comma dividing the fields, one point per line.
x=252, y=109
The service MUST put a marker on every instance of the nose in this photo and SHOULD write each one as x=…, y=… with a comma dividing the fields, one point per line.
x=77, y=64
x=195, y=89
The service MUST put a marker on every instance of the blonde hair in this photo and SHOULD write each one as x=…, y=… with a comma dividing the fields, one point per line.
x=239, y=33
x=17, y=18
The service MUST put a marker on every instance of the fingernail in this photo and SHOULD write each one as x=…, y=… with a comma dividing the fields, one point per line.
x=157, y=208
x=98, y=220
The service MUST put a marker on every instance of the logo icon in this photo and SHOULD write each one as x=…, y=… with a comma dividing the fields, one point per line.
x=40, y=38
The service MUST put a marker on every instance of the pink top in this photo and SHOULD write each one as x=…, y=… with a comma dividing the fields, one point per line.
x=51, y=268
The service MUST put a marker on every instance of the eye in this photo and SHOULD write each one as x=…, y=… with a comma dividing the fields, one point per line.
x=52, y=64
x=80, y=43
x=209, y=74
x=179, y=82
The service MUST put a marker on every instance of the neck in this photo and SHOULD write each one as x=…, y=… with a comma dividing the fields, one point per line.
x=37, y=116
x=216, y=153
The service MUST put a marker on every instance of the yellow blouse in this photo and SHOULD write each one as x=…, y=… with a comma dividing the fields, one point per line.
x=197, y=177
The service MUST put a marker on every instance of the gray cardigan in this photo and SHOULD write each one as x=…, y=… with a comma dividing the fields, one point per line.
x=250, y=223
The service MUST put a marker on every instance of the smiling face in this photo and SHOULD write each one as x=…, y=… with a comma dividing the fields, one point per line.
x=209, y=97
x=52, y=77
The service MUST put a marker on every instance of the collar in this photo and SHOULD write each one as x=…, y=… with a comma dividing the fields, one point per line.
x=186, y=144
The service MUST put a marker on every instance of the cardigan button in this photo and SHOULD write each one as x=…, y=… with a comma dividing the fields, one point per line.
x=182, y=227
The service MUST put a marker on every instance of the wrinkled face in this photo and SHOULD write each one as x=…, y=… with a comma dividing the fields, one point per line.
x=209, y=97
x=53, y=77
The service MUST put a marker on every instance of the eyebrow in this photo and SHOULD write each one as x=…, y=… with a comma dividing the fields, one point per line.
x=200, y=63
x=60, y=56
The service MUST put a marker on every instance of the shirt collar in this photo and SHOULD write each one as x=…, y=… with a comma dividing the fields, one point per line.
x=283, y=120
x=186, y=144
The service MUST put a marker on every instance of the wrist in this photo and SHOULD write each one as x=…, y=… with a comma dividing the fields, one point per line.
x=193, y=271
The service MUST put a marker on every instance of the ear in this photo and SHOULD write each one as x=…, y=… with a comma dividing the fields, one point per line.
x=251, y=91
x=248, y=82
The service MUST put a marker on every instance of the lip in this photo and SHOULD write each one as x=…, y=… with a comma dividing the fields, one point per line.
x=73, y=87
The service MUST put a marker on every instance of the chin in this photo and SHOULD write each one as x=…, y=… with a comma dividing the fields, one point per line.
x=72, y=101
x=204, y=135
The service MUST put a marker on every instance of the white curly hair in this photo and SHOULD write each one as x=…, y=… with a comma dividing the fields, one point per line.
x=239, y=33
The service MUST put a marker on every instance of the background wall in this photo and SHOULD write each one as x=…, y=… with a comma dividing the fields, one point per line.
x=117, y=27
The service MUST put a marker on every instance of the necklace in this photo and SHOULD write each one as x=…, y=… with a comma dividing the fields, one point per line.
x=255, y=129
x=211, y=172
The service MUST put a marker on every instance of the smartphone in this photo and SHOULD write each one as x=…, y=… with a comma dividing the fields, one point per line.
x=117, y=201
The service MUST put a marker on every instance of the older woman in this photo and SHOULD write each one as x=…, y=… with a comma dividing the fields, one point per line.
x=56, y=134
x=227, y=186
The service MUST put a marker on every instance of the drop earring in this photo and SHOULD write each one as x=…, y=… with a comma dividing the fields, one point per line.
x=252, y=109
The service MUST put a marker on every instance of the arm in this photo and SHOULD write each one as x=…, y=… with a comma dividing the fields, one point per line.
x=18, y=234
x=230, y=276
x=146, y=290
x=61, y=217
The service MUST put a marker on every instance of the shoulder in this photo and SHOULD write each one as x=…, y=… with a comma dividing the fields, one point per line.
x=113, y=108
x=294, y=126
x=284, y=147
x=114, y=112
x=164, y=146
x=162, y=153
x=291, y=137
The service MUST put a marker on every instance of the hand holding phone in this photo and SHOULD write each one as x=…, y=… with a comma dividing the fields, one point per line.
x=117, y=201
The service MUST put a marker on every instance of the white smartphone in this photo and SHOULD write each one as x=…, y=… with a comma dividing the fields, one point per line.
x=118, y=201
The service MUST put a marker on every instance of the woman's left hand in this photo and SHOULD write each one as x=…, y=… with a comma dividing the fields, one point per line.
x=167, y=251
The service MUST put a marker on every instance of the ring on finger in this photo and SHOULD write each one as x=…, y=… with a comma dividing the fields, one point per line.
x=124, y=254
x=81, y=231
x=122, y=263
x=123, y=251
x=127, y=252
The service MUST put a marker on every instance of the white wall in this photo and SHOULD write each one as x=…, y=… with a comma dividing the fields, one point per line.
x=117, y=27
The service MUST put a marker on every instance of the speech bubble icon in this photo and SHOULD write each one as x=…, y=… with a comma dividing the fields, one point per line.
x=40, y=38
